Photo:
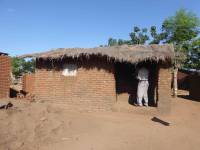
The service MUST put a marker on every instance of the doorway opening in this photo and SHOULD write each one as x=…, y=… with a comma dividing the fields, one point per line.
x=126, y=82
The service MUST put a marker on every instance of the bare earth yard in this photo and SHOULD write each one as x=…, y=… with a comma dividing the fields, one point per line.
x=40, y=126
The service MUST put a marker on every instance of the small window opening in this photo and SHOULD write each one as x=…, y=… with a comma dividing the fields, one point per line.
x=69, y=70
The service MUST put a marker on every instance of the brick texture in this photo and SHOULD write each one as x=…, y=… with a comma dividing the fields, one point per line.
x=5, y=69
x=92, y=89
x=164, y=89
x=28, y=81
x=94, y=86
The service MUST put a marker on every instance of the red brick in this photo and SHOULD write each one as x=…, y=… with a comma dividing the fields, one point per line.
x=28, y=81
x=5, y=70
x=93, y=88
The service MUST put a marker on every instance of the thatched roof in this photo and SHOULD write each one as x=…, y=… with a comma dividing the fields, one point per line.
x=1, y=53
x=125, y=53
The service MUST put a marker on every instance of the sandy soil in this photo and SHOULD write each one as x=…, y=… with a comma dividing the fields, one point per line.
x=40, y=126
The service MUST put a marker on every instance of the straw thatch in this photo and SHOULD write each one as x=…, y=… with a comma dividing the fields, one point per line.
x=125, y=53
x=1, y=53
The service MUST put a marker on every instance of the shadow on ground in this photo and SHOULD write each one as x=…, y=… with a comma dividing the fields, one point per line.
x=187, y=97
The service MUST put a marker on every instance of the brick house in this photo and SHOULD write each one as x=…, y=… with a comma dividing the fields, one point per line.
x=95, y=78
x=5, y=70
x=194, y=86
x=28, y=81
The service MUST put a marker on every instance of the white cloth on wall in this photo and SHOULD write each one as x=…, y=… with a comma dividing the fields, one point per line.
x=143, y=85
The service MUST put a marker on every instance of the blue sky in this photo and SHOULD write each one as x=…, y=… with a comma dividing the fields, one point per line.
x=28, y=26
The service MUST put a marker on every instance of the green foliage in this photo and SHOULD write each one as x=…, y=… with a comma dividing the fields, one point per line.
x=120, y=42
x=139, y=36
x=157, y=38
x=193, y=58
x=112, y=42
x=21, y=66
x=181, y=29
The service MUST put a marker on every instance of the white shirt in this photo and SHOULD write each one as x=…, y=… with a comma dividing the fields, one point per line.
x=143, y=74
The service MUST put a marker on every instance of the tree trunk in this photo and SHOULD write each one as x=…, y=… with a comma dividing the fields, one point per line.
x=175, y=84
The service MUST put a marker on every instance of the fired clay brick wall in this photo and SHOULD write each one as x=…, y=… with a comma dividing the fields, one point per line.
x=93, y=88
x=164, y=89
x=28, y=81
x=183, y=80
x=194, y=89
x=4, y=76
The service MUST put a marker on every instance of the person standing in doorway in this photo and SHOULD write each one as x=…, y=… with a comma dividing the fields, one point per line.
x=143, y=85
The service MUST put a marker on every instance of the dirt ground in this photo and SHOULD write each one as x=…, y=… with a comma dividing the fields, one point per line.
x=41, y=126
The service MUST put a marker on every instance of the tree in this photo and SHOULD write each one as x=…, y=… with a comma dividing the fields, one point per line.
x=157, y=38
x=29, y=66
x=195, y=54
x=112, y=42
x=193, y=58
x=20, y=66
x=120, y=42
x=17, y=66
x=180, y=30
x=138, y=36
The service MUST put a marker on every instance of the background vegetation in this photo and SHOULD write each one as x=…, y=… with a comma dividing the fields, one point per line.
x=182, y=30
x=21, y=66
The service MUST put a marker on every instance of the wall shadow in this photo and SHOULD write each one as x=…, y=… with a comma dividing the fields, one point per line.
x=13, y=93
x=92, y=62
x=188, y=97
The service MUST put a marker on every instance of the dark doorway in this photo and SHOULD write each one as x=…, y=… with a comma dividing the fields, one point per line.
x=126, y=81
